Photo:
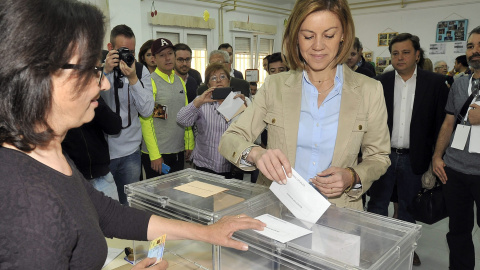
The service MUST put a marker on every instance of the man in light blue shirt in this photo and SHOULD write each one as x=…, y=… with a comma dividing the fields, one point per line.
x=128, y=96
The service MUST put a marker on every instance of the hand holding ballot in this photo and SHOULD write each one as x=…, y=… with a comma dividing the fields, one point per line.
x=271, y=162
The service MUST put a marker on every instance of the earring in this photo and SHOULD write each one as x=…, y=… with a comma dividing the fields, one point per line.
x=341, y=41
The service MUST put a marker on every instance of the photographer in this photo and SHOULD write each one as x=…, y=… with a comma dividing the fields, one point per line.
x=130, y=95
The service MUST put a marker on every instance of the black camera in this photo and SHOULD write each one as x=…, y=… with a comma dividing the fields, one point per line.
x=127, y=57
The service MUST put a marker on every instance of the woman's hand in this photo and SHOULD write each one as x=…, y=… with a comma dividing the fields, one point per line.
x=242, y=96
x=145, y=263
x=271, y=163
x=220, y=232
x=333, y=181
x=206, y=97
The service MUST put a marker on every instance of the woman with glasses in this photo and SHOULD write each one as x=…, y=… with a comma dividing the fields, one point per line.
x=51, y=217
x=210, y=124
x=319, y=114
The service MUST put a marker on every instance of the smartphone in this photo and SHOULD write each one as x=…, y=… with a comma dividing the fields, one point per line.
x=165, y=168
x=221, y=93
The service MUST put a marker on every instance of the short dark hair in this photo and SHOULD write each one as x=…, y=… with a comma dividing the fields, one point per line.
x=224, y=46
x=123, y=30
x=50, y=33
x=143, y=50
x=182, y=47
x=275, y=57
x=475, y=30
x=403, y=37
x=253, y=83
x=357, y=45
x=462, y=59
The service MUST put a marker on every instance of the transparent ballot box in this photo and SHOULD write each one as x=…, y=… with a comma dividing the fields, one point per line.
x=340, y=239
x=161, y=196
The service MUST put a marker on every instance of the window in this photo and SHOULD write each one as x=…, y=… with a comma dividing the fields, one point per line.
x=200, y=41
x=198, y=44
x=249, y=53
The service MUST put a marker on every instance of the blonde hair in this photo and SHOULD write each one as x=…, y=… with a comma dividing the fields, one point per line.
x=301, y=10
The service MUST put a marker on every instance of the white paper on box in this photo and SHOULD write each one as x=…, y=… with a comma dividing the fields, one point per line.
x=280, y=230
x=304, y=201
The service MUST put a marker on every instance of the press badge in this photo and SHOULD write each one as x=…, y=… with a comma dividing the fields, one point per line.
x=460, y=138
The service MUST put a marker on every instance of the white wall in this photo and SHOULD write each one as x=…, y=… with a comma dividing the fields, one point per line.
x=417, y=19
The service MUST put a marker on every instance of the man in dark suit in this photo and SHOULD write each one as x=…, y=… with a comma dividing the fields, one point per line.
x=219, y=56
x=229, y=49
x=415, y=101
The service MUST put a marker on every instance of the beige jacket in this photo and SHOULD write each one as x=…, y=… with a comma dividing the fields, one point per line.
x=362, y=126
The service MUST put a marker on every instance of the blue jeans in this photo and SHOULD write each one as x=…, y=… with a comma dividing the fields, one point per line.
x=408, y=186
x=126, y=170
x=106, y=184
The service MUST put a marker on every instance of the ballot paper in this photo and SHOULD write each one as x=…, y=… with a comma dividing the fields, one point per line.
x=280, y=230
x=303, y=200
x=231, y=106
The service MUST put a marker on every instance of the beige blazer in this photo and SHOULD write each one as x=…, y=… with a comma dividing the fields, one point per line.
x=362, y=126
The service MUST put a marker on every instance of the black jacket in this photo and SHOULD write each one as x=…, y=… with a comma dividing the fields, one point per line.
x=428, y=114
x=86, y=145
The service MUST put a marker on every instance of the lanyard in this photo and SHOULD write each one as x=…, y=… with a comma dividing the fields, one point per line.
x=473, y=100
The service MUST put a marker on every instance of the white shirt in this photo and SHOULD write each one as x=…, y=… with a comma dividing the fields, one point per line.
x=404, y=96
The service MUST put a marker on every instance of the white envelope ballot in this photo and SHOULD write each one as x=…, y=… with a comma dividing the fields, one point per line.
x=304, y=201
x=280, y=230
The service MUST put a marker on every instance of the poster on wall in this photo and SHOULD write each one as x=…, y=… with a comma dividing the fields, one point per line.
x=448, y=31
x=382, y=63
x=460, y=47
x=437, y=48
x=384, y=38
x=368, y=56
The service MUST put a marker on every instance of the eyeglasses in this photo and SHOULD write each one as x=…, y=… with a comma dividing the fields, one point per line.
x=182, y=60
x=218, y=79
x=95, y=69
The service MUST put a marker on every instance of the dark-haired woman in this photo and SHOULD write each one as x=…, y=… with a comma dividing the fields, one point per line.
x=51, y=217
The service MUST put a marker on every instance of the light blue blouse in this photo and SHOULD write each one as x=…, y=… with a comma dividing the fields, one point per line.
x=317, y=131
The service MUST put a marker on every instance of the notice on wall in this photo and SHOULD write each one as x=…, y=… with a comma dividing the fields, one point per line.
x=437, y=48
x=460, y=47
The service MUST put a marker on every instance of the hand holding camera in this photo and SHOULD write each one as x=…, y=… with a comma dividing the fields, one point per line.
x=122, y=61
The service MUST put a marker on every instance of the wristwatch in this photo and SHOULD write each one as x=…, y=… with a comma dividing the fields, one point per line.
x=245, y=155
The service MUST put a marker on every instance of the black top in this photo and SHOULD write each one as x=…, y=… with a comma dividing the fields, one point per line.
x=86, y=145
x=367, y=65
x=53, y=221
x=365, y=72
x=196, y=75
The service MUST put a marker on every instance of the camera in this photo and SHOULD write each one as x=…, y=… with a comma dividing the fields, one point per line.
x=127, y=57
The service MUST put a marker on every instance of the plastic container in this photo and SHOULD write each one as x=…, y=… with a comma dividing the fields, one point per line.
x=341, y=239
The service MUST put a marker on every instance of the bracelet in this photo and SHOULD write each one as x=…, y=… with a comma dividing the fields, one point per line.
x=354, y=177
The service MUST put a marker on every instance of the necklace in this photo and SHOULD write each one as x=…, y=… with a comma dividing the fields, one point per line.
x=319, y=93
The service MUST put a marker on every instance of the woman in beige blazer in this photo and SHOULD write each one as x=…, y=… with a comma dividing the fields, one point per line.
x=317, y=94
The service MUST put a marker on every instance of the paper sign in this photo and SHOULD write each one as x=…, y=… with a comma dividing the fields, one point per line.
x=304, y=201
x=460, y=138
x=281, y=230
x=200, y=189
